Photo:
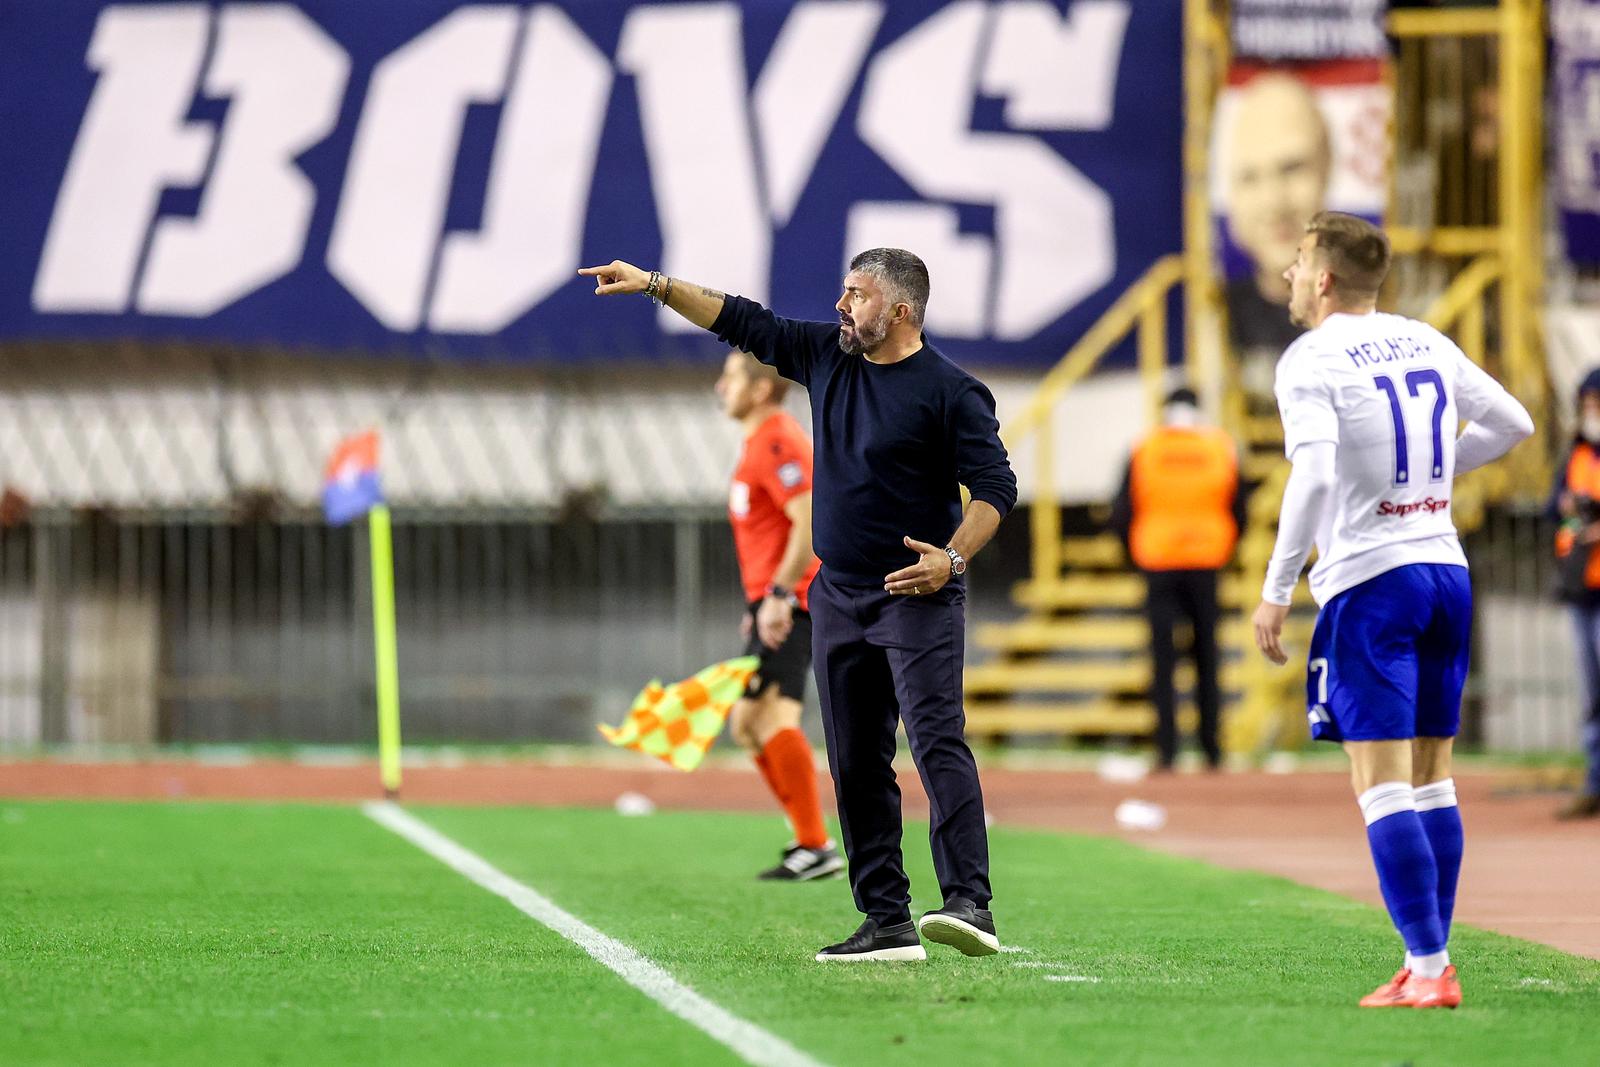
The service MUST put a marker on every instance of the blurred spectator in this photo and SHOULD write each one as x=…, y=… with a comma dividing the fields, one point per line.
x=1179, y=512
x=1575, y=499
x=1278, y=163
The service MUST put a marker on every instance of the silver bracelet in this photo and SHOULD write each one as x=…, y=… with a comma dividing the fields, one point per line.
x=650, y=288
x=667, y=294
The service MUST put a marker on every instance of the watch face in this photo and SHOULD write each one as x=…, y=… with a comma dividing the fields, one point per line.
x=958, y=566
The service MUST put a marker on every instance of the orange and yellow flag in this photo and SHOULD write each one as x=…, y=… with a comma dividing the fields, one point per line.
x=677, y=723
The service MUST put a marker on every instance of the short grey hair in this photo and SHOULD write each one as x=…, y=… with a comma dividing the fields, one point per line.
x=902, y=274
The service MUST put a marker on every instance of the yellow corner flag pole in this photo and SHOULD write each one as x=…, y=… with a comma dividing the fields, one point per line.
x=386, y=643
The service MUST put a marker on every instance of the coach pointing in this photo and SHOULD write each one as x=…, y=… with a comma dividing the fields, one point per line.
x=898, y=429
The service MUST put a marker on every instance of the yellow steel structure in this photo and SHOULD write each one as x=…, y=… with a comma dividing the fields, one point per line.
x=1077, y=661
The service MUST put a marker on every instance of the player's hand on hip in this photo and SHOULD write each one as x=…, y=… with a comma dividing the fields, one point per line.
x=774, y=621
x=928, y=575
x=1268, y=622
x=616, y=277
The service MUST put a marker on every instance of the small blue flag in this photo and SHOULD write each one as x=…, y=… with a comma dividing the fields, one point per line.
x=350, y=486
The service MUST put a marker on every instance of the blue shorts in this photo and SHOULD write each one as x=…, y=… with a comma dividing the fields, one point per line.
x=1389, y=656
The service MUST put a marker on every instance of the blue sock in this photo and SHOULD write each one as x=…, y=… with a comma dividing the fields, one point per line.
x=1407, y=873
x=1441, y=821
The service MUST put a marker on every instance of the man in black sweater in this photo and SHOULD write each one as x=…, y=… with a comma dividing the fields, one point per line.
x=898, y=429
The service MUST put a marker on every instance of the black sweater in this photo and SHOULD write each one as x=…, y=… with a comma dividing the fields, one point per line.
x=893, y=441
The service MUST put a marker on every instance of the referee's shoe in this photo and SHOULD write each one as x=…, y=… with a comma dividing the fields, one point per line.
x=800, y=864
x=962, y=925
x=874, y=942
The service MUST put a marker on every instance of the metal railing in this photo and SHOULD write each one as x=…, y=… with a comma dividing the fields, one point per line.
x=246, y=629
x=1468, y=243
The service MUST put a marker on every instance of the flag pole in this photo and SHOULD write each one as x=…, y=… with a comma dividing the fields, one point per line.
x=386, y=645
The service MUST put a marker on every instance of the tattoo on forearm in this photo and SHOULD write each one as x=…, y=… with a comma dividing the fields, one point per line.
x=712, y=293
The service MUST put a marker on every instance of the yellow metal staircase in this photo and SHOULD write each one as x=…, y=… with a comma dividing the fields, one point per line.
x=1077, y=663
x=1077, y=660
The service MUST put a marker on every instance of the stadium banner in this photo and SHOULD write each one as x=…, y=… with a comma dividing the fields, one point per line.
x=1280, y=31
x=425, y=177
x=1290, y=140
x=1575, y=59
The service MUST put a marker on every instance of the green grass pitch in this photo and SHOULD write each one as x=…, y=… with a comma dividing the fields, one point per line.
x=302, y=934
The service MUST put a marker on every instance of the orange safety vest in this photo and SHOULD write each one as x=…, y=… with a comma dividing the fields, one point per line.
x=1182, y=485
x=1583, y=479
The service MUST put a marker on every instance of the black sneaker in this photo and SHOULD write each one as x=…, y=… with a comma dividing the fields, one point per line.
x=805, y=864
x=872, y=942
x=963, y=925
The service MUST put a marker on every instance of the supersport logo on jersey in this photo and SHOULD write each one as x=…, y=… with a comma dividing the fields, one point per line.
x=1428, y=505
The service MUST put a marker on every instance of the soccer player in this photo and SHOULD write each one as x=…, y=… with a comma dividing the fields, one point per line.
x=1370, y=405
x=769, y=505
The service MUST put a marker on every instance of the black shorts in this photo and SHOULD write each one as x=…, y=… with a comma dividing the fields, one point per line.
x=787, y=666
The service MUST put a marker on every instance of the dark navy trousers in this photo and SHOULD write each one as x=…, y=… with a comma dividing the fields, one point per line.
x=881, y=659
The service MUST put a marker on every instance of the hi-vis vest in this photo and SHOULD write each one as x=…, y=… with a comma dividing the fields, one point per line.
x=1182, y=487
x=1583, y=479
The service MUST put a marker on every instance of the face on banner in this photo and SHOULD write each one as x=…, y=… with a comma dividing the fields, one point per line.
x=1290, y=142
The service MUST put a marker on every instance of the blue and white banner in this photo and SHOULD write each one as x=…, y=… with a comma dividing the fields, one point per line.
x=424, y=176
x=1575, y=37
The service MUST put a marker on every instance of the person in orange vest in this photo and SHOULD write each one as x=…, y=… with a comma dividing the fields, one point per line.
x=1179, y=512
x=1575, y=500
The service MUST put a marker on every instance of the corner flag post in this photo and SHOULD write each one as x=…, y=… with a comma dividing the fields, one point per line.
x=386, y=645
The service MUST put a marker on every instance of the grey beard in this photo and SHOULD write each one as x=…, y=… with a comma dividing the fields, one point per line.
x=865, y=339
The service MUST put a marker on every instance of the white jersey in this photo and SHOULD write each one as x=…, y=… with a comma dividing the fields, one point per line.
x=1390, y=393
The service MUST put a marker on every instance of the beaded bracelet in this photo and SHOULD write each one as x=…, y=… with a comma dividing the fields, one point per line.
x=650, y=288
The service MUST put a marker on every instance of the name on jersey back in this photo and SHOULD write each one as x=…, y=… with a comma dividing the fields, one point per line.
x=1388, y=350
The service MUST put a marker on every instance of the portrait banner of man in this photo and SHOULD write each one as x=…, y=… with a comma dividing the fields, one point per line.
x=1290, y=141
x=1575, y=78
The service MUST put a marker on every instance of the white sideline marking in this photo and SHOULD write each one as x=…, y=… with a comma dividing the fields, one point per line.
x=747, y=1041
x=1069, y=978
x=1014, y=948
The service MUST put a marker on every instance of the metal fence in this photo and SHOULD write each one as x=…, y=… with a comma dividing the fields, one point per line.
x=1524, y=693
x=257, y=628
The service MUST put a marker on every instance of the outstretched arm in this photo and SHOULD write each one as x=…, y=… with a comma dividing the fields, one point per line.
x=698, y=304
x=790, y=345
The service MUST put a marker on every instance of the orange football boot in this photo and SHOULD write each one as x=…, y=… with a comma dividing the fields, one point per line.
x=1441, y=992
x=1391, y=994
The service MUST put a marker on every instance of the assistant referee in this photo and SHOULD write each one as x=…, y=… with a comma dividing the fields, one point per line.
x=898, y=429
